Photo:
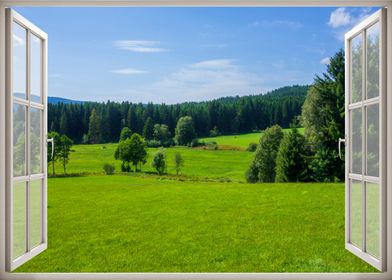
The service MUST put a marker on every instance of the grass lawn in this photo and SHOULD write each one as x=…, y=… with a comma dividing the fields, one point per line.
x=152, y=224
x=240, y=141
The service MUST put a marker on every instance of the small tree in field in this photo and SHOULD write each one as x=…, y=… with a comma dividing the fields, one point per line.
x=123, y=153
x=137, y=151
x=185, y=131
x=159, y=162
x=292, y=159
x=178, y=161
x=56, y=138
x=262, y=168
x=64, y=151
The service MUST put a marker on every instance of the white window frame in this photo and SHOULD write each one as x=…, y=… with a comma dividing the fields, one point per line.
x=380, y=180
x=192, y=276
x=31, y=29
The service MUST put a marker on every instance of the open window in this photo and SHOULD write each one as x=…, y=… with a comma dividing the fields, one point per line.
x=26, y=136
x=26, y=169
x=366, y=140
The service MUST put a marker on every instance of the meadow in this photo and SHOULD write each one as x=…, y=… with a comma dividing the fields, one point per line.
x=207, y=219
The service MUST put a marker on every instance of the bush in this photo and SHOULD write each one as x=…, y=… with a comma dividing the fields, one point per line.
x=178, y=161
x=252, y=147
x=168, y=143
x=214, y=132
x=262, y=168
x=108, y=168
x=197, y=143
x=154, y=144
x=159, y=162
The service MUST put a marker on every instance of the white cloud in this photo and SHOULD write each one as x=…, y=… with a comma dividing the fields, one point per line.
x=214, y=64
x=139, y=46
x=128, y=71
x=343, y=17
x=204, y=80
x=293, y=25
x=340, y=17
x=325, y=61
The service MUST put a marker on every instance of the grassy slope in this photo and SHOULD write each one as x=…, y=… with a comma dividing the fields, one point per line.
x=238, y=141
x=128, y=223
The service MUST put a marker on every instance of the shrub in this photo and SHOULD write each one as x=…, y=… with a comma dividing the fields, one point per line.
x=159, y=162
x=154, y=144
x=178, y=161
x=262, y=168
x=168, y=143
x=197, y=143
x=108, y=168
x=214, y=132
x=252, y=147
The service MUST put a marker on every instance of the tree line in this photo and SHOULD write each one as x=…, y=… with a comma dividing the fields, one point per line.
x=92, y=122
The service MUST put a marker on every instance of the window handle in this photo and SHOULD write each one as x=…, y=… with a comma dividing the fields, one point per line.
x=51, y=140
x=341, y=140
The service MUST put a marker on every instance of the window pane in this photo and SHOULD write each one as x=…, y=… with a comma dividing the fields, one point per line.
x=373, y=60
x=35, y=215
x=35, y=140
x=356, y=213
x=373, y=132
x=35, y=68
x=373, y=219
x=19, y=141
x=19, y=60
x=356, y=68
x=356, y=136
x=19, y=219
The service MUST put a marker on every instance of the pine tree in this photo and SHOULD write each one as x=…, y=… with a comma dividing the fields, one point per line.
x=262, y=168
x=292, y=158
x=148, y=129
x=95, y=133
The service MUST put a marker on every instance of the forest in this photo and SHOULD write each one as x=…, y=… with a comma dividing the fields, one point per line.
x=93, y=122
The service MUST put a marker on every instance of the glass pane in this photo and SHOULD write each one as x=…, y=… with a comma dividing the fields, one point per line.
x=356, y=68
x=373, y=132
x=35, y=215
x=373, y=60
x=19, y=219
x=19, y=141
x=356, y=213
x=35, y=140
x=356, y=143
x=373, y=219
x=19, y=60
x=35, y=68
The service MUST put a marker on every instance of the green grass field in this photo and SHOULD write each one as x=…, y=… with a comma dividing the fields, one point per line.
x=128, y=223
x=208, y=219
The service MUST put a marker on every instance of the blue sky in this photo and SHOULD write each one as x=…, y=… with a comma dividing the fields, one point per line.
x=174, y=55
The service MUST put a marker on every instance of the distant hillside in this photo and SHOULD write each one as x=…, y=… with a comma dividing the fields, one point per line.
x=58, y=100
x=228, y=115
x=287, y=91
